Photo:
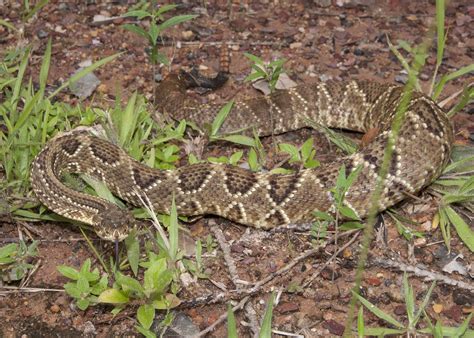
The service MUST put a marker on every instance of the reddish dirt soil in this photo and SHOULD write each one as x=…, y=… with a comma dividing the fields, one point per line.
x=338, y=42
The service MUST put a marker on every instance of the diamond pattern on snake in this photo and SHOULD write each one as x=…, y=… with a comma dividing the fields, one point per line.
x=256, y=199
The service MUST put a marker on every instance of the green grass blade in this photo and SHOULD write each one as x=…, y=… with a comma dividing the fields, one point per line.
x=8, y=25
x=19, y=80
x=231, y=324
x=463, y=230
x=36, y=9
x=44, y=71
x=266, y=329
x=409, y=299
x=449, y=77
x=173, y=231
x=421, y=310
x=360, y=322
x=84, y=72
x=378, y=312
x=220, y=117
x=441, y=38
x=127, y=121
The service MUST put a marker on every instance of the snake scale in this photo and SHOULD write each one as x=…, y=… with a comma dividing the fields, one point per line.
x=257, y=199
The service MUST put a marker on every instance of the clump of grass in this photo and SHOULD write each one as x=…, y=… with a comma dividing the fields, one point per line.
x=414, y=315
x=15, y=260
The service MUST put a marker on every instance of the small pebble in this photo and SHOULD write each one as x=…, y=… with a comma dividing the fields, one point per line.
x=55, y=308
x=438, y=308
x=295, y=45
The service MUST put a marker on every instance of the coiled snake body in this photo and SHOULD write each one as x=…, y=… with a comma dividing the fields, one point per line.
x=256, y=199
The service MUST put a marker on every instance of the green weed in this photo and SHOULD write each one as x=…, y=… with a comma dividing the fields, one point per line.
x=155, y=29
x=15, y=260
x=87, y=284
x=269, y=72
x=414, y=315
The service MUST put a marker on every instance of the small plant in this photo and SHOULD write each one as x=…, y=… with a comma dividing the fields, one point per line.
x=304, y=154
x=155, y=30
x=266, y=327
x=403, y=229
x=153, y=294
x=232, y=160
x=29, y=12
x=196, y=268
x=341, y=209
x=234, y=136
x=87, y=284
x=211, y=244
x=269, y=72
x=414, y=314
x=15, y=260
x=455, y=187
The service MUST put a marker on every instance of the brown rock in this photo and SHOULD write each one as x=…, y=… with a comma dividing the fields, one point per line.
x=334, y=327
x=287, y=307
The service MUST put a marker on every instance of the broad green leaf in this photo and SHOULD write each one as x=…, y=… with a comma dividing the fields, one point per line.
x=83, y=285
x=139, y=14
x=239, y=139
x=290, y=150
x=254, y=58
x=145, y=315
x=254, y=76
x=8, y=250
x=68, y=272
x=72, y=290
x=252, y=160
x=152, y=274
x=113, y=296
x=348, y=212
x=307, y=149
x=324, y=216
x=133, y=251
x=83, y=304
x=129, y=284
x=220, y=117
x=235, y=157
x=169, y=301
x=463, y=230
x=175, y=20
x=153, y=32
x=164, y=9
x=137, y=30
x=145, y=332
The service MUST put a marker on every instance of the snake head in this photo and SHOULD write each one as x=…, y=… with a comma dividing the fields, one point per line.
x=114, y=224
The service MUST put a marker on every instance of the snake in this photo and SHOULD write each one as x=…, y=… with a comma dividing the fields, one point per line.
x=420, y=149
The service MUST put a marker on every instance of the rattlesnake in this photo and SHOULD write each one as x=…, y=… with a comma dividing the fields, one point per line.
x=259, y=199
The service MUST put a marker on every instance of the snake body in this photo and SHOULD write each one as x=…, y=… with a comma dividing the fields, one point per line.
x=263, y=200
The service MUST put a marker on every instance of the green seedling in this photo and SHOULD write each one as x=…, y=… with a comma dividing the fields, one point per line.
x=15, y=260
x=304, y=154
x=86, y=285
x=269, y=72
x=157, y=26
